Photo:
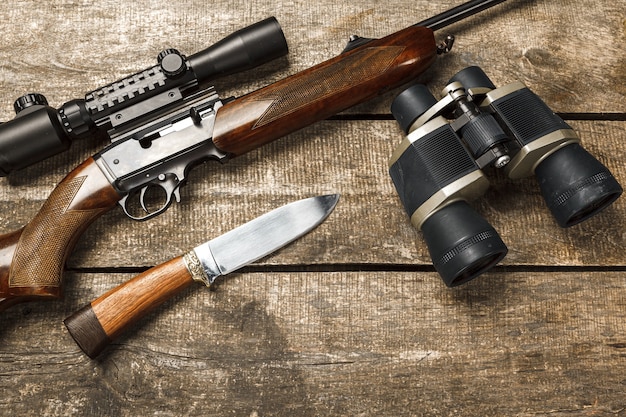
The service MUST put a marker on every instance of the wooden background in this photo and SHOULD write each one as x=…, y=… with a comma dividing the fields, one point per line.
x=350, y=320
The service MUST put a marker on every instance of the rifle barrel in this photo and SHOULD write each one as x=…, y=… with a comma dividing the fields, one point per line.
x=458, y=13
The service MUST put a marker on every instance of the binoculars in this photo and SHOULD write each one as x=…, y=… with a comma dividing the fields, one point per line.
x=438, y=167
x=40, y=131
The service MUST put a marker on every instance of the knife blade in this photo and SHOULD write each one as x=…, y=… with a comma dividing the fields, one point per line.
x=103, y=320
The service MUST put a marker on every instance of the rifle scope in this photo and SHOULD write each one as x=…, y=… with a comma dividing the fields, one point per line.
x=40, y=131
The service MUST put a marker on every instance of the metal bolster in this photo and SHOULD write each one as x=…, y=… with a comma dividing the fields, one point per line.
x=198, y=269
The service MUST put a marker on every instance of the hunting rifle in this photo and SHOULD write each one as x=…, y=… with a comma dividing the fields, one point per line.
x=154, y=146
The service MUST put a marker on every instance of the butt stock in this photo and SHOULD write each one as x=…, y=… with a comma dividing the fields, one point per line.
x=321, y=91
x=32, y=258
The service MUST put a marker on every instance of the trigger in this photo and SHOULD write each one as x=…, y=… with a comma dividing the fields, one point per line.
x=142, y=195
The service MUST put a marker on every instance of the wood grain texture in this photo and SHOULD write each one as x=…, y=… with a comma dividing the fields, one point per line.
x=140, y=295
x=33, y=264
x=538, y=42
x=340, y=343
x=350, y=158
x=106, y=318
x=351, y=319
x=323, y=90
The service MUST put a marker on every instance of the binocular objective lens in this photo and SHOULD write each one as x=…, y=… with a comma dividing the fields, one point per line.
x=462, y=244
x=575, y=185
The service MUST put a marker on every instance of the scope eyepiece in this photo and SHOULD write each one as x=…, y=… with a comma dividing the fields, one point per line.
x=36, y=133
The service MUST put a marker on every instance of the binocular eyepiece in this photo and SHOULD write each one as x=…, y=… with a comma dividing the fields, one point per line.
x=438, y=167
x=40, y=131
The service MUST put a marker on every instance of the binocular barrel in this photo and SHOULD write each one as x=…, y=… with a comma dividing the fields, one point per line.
x=437, y=169
x=574, y=184
x=435, y=175
x=40, y=131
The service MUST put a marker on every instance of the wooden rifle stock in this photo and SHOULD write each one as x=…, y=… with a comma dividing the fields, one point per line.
x=321, y=91
x=32, y=258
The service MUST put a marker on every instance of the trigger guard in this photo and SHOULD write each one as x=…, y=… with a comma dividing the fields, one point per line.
x=171, y=187
x=168, y=198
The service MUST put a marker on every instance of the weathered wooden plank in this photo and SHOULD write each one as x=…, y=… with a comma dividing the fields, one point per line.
x=371, y=343
x=368, y=227
x=542, y=335
x=67, y=50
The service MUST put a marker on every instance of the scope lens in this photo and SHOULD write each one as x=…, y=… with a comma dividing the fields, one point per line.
x=575, y=185
x=462, y=244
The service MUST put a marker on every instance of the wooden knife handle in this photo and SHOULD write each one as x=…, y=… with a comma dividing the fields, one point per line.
x=99, y=323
